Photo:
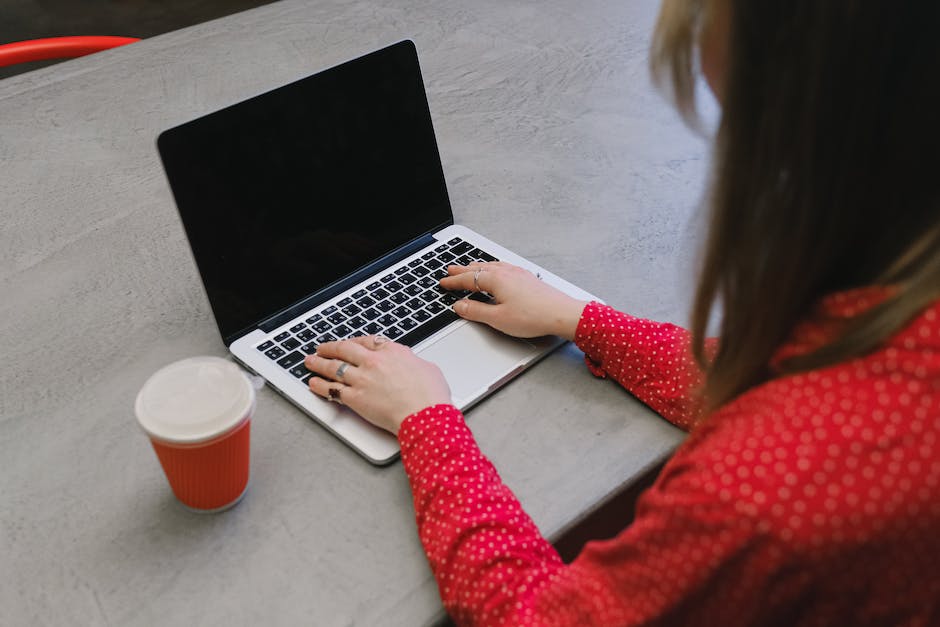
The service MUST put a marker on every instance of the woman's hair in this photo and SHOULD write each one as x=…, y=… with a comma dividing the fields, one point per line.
x=826, y=173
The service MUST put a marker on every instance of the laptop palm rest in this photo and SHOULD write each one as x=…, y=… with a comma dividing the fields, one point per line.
x=473, y=357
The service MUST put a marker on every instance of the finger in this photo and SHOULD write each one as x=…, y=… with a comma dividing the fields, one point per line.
x=322, y=387
x=345, y=350
x=476, y=311
x=480, y=279
x=369, y=341
x=327, y=368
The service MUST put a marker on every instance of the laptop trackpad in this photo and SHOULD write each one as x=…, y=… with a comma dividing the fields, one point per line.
x=473, y=357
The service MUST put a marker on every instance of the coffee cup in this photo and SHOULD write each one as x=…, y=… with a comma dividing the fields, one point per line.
x=197, y=413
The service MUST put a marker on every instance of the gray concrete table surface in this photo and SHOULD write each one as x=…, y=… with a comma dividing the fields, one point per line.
x=554, y=143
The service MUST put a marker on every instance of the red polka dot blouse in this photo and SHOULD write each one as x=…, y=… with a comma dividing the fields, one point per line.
x=812, y=499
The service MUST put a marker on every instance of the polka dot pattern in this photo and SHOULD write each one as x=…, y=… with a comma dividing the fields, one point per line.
x=811, y=499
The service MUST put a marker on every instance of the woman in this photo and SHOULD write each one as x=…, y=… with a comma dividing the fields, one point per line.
x=808, y=491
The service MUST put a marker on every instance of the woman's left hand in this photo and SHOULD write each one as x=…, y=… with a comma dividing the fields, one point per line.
x=384, y=382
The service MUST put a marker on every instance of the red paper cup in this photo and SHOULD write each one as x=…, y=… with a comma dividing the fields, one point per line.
x=197, y=413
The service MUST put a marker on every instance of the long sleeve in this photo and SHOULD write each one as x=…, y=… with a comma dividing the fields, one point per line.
x=809, y=500
x=652, y=360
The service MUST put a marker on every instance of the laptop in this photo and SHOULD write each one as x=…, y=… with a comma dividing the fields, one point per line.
x=319, y=211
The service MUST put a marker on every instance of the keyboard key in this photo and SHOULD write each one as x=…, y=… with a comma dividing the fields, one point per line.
x=330, y=310
x=387, y=320
x=351, y=310
x=327, y=337
x=372, y=328
x=421, y=271
x=414, y=263
x=359, y=294
x=365, y=302
x=393, y=333
x=370, y=314
x=401, y=312
x=358, y=333
x=385, y=305
x=435, y=308
x=275, y=353
x=407, y=324
x=342, y=331
x=280, y=337
x=441, y=248
x=421, y=316
x=461, y=248
x=449, y=298
x=429, y=328
x=394, y=286
x=407, y=279
x=306, y=335
x=427, y=282
x=434, y=264
x=311, y=347
x=482, y=255
x=413, y=290
x=356, y=322
x=379, y=294
x=306, y=379
x=337, y=318
x=447, y=257
x=265, y=346
x=464, y=260
x=428, y=255
x=415, y=304
x=344, y=302
x=454, y=241
x=299, y=371
x=290, y=360
x=428, y=296
x=401, y=270
x=398, y=298
x=440, y=274
x=482, y=297
x=314, y=319
x=290, y=344
x=297, y=328
x=387, y=278
x=322, y=327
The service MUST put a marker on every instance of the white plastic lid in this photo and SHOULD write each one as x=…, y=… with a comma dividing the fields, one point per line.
x=194, y=400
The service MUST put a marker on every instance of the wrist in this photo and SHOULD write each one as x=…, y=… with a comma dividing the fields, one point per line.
x=569, y=317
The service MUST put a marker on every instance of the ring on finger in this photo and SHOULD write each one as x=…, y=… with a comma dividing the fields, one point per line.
x=336, y=395
x=341, y=371
x=476, y=280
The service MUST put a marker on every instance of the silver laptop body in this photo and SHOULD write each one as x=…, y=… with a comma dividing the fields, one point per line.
x=304, y=203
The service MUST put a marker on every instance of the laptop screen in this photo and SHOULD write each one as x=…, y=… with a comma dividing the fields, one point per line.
x=287, y=192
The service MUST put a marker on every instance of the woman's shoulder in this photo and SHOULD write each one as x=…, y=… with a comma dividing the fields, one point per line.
x=846, y=454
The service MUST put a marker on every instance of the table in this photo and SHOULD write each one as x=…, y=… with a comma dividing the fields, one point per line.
x=554, y=142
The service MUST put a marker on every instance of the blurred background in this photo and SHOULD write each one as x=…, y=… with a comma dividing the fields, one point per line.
x=33, y=19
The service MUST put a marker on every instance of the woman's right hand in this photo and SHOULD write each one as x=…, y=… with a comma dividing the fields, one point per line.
x=523, y=306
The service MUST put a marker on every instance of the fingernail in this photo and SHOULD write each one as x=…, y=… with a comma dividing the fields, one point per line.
x=460, y=306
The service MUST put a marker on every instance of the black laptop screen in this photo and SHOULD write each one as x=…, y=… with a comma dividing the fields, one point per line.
x=283, y=194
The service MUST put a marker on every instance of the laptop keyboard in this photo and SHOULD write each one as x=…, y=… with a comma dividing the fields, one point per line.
x=406, y=305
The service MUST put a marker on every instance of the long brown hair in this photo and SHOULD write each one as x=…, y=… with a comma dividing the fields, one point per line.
x=826, y=172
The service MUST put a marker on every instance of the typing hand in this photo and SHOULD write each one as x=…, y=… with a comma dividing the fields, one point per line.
x=523, y=305
x=382, y=381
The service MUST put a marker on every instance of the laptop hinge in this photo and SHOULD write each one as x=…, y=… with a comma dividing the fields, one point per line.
x=344, y=284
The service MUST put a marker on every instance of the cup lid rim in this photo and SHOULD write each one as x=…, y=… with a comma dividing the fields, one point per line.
x=225, y=415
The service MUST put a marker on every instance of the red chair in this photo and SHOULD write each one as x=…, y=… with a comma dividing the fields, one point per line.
x=57, y=48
